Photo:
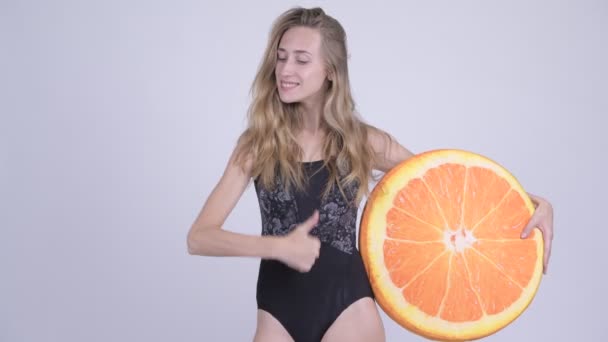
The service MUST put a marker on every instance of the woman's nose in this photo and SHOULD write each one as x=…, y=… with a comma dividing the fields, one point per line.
x=286, y=67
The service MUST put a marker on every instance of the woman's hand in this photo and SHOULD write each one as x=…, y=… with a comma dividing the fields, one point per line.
x=298, y=249
x=543, y=219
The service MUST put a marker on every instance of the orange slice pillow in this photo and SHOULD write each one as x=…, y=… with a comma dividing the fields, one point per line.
x=440, y=239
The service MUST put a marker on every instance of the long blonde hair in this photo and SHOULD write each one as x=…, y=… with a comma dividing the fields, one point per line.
x=269, y=140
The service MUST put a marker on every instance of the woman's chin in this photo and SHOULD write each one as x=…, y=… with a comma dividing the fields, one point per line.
x=288, y=99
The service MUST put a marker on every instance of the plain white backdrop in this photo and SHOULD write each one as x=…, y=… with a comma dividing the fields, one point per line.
x=117, y=119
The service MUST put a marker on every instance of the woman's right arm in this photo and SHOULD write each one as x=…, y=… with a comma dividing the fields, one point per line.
x=298, y=249
x=207, y=237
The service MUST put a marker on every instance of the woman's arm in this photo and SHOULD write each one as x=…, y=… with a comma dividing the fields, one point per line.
x=206, y=236
x=298, y=249
x=388, y=151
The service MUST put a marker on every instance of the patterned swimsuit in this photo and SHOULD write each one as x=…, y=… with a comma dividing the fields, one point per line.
x=306, y=304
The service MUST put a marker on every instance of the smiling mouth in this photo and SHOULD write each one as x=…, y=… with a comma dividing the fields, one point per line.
x=288, y=85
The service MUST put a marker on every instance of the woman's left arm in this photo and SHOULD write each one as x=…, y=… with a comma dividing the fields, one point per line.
x=543, y=219
x=390, y=153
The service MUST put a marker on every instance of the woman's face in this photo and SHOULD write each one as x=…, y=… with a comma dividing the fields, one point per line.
x=300, y=70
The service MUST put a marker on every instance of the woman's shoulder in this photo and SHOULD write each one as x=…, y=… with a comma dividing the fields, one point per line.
x=389, y=152
x=376, y=136
x=379, y=140
x=242, y=156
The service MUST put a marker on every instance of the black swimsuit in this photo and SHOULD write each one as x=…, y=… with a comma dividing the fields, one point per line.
x=308, y=303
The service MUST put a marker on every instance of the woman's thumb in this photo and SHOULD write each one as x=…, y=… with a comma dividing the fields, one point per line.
x=311, y=222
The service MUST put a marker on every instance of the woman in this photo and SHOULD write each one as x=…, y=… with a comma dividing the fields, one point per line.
x=311, y=158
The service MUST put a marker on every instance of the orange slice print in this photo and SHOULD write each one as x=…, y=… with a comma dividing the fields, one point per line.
x=440, y=239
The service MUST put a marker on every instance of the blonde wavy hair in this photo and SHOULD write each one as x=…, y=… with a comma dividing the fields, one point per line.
x=269, y=141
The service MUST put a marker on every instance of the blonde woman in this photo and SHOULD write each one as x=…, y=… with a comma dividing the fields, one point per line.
x=310, y=158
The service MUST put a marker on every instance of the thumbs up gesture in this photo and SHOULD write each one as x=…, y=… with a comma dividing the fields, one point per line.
x=299, y=249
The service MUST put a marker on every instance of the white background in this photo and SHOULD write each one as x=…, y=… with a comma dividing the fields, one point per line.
x=117, y=119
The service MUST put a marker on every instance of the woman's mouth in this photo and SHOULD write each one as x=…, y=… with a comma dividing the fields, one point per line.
x=288, y=85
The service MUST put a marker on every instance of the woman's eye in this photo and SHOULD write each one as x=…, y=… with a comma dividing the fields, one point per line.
x=283, y=59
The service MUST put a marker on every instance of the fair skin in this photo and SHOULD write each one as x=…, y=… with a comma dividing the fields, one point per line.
x=301, y=75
